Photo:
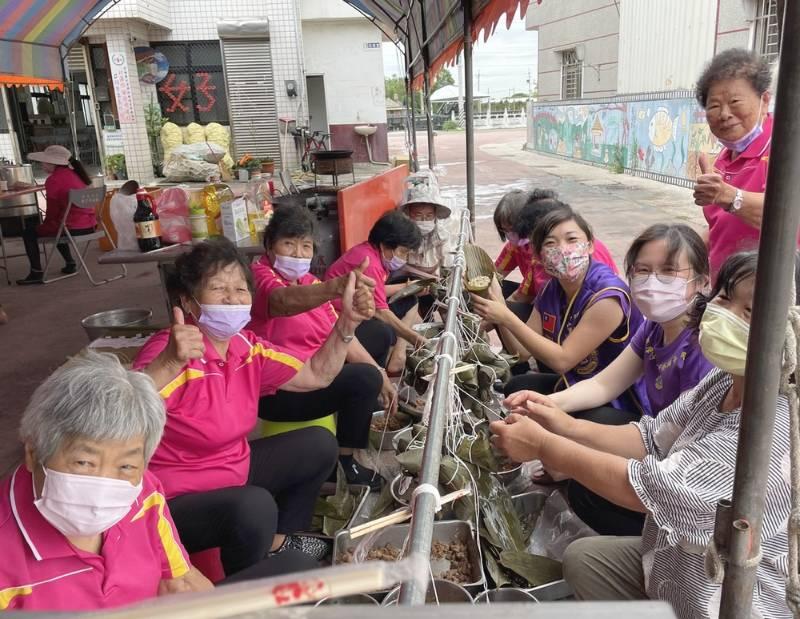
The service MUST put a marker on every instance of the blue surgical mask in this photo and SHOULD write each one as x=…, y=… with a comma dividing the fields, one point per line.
x=395, y=264
x=743, y=142
x=222, y=322
x=292, y=268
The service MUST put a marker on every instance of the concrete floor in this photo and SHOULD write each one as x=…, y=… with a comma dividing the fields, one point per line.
x=45, y=320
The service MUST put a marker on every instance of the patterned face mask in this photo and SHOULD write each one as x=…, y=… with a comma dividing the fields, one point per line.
x=568, y=263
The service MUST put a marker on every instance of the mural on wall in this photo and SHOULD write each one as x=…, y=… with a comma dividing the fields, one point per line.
x=660, y=137
x=592, y=133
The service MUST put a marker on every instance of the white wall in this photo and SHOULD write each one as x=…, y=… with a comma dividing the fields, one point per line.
x=327, y=9
x=152, y=11
x=735, y=25
x=353, y=72
x=664, y=44
x=592, y=26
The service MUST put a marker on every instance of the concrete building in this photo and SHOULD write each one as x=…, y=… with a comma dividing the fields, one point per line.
x=244, y=64
x=616, y=78
x=596, y=48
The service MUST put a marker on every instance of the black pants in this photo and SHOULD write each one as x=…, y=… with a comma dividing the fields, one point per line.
x=603, y=516
x=243, y=520
x=378, y=338
x=30, y=238
x=287, y=562
x=353, y=394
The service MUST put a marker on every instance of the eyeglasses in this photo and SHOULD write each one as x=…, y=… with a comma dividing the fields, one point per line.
x=666, y=276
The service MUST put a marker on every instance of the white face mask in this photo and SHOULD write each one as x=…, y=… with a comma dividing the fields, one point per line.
x=84, y=505
x=426, y=227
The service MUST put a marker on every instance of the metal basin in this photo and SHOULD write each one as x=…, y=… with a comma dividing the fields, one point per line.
x=507, y=594
x=365, y=130
x=102, y=323
x=382, y=440
x=349, y=600
x=439, y=592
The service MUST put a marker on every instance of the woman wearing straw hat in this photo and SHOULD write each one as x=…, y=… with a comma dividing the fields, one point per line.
x=65, y=173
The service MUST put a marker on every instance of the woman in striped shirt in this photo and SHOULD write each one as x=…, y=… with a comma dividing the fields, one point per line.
x=674, y=468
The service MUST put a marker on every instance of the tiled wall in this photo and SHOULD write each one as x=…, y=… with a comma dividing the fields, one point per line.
x=153, y=11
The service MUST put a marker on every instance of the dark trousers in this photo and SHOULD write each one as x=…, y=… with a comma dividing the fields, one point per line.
x=243, y=520
x=378, y=338
x=603, y=516
x=30, y=238
x=353, y=394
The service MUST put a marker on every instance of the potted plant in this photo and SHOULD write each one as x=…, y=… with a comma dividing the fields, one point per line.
x=116, y=167
x=268, y=165
x=247, y=166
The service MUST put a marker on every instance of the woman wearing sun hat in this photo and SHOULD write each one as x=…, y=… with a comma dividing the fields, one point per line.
x=65, y=173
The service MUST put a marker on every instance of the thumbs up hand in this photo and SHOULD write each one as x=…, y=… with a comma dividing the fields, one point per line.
x=709, y=187
x=185, y=341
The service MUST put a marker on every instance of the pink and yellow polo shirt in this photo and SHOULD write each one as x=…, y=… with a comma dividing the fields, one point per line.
x=41, y=570
x=303, y=334
x=212, y=405
x=354, y=257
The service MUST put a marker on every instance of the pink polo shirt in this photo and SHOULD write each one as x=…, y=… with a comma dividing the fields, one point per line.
x=212, y=405
x=41, y=570
x=537, y=277
x=515, y=257
x=728, y=233
x=354, y=257
x=303, y=334
x=57, y=187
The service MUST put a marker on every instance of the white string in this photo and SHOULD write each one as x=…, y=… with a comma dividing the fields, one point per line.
x=427, y=489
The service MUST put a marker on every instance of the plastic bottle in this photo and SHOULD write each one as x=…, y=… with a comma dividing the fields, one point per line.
x=214, y=194
x=148, y=228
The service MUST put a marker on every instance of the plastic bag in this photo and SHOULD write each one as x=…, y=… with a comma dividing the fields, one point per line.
x=557, y=528
x=122, y=209
x=189, y=162
x=171, y=137
x=173, y=213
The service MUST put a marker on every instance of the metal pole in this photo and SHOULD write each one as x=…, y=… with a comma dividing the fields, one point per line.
x=426, y=80
x=767, y=329
x=414, y=163
x=424, y=507
x=469, y=123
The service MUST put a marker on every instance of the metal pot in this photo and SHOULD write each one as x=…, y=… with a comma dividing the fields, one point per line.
x=23, y=206
x=504, y=595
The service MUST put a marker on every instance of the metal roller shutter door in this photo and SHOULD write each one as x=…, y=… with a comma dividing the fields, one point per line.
x=251, y=97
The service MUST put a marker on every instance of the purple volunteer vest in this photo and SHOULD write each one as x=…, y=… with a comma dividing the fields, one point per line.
x=560, y=316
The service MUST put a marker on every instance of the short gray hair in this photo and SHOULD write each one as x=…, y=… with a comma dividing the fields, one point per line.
x=93, y=397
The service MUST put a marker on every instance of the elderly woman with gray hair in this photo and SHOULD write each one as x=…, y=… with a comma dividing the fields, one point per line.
x=83, y=524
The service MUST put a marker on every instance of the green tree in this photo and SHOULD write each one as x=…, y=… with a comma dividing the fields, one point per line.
x=443, y=78
x=395, y=88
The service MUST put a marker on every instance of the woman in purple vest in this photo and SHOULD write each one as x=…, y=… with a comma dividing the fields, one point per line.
x=667, y=265
x=582, y=319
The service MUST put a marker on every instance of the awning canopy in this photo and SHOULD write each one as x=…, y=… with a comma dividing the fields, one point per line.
x=435, y=27
x=36, y=34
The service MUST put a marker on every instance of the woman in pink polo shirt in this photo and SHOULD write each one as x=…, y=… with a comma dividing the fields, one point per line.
x=390, y=241
x=65, y=174
x=211, y=372
x=734, y=91
x=293, y=309
x=83, y=524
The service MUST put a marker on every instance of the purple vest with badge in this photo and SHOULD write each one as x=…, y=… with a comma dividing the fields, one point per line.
x=560, y=316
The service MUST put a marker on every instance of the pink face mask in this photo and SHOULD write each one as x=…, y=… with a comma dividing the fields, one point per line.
x=658, y=301
x=84, y=505
x=513, y=238
x=568, y=263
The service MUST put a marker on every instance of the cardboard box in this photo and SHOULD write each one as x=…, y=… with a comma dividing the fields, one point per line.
x=234, y=220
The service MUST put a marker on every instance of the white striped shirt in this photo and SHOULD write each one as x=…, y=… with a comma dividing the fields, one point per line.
x=690, y=465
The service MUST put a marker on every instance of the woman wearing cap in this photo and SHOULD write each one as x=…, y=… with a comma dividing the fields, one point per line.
x=65, y=173
x=425, y=206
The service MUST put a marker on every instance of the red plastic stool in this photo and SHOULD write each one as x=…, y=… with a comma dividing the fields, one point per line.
x=209, y=563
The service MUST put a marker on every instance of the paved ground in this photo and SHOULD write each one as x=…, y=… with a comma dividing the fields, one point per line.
x=45, y=320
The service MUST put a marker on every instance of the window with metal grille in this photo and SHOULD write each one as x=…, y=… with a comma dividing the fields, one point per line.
x=768, y=24
x=194, y=88
x=571, y=75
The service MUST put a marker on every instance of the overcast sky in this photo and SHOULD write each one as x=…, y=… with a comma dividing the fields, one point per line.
x=501, y=64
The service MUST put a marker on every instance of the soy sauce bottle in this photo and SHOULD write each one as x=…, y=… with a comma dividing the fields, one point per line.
x=145, y=220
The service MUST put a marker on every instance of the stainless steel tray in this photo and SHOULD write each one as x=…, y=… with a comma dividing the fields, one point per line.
x=445, y=531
